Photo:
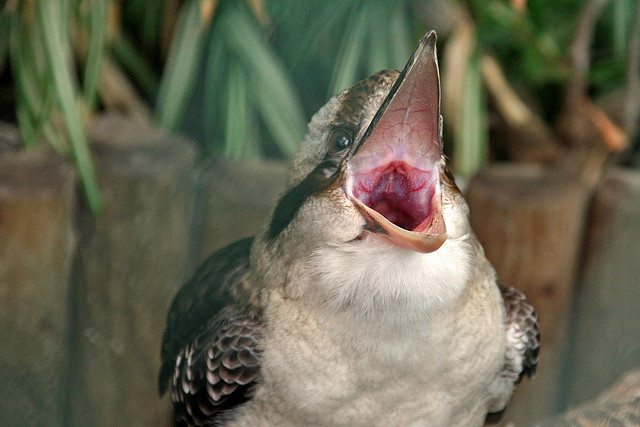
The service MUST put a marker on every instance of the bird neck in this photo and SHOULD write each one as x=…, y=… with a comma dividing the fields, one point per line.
x=371, y=279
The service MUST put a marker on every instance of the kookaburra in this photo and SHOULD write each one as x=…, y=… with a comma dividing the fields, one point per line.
x=366, y=299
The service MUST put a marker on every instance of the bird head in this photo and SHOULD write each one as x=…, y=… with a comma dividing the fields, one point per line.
x=370, y=178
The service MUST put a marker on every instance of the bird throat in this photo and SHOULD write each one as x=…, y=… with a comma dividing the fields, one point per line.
x=400, y=202
x=399, y=192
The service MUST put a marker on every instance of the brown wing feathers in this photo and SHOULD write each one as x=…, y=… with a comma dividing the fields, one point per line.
x=522, y=321
x=210, y=348
x=217, y=371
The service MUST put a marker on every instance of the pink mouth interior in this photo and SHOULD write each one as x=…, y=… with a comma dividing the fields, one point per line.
x=400, y=192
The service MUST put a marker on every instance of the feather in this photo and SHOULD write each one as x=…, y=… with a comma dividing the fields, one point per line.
x=210, y=347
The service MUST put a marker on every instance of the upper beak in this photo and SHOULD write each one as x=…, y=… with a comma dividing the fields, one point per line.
x=393, y=174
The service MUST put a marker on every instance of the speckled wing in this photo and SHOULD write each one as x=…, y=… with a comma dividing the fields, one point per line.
x=523, y=334
x=210, y=350
x=218, y=369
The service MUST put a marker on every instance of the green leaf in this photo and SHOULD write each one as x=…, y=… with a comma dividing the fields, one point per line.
x=214, y=73
x=400, y=35
x=471, y=143
x=623, y=11
x=151, y=21
x=346, y=67
x=237, y=113
x=5, y=21
x=33, y=100
x=135, y=64
x=276, y=98
x=55, y=138
x=179, y=76
x=97, y=31
x=330, y=19
x=58, y=59
x=379, y=51
x=28, y=130
x=389, y=34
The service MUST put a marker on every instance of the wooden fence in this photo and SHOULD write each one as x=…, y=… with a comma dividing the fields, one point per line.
x=83, y=300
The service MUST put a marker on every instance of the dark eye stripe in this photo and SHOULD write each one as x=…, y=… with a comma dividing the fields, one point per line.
x=330, y=172
x=327, y=175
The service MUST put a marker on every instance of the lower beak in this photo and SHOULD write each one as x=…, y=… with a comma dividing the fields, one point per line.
x=428, y=241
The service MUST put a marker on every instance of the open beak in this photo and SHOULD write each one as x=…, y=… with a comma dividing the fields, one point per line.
x=393, y=175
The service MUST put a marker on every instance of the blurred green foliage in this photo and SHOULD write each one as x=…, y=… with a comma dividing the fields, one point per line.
x=244, y=76
x=255, y=93
x=243, y=91
x=532, y=43
x=50, y=99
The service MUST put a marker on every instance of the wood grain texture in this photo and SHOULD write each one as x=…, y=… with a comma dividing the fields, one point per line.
x=131, y=262
x=37, y=241
x=606, y=338
x=530, y=222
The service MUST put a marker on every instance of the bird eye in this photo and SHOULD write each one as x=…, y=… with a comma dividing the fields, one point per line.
x=339, y=140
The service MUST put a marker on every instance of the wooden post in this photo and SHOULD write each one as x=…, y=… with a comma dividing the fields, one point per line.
x=37, y=240
x=238, y=196
x=131, y=263
x=606, y=338
x=530, y=223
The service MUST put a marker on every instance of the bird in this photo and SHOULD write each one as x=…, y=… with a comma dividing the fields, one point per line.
x=365, y=299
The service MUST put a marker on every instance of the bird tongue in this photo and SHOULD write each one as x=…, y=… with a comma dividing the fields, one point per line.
x=393, y=177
